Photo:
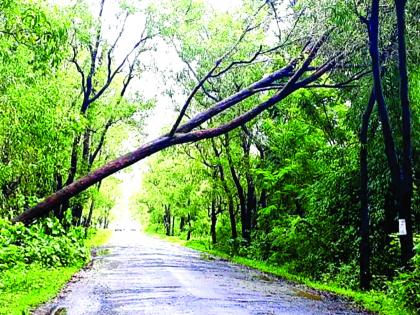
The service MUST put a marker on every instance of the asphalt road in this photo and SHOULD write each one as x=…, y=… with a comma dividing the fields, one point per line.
x=138, y=274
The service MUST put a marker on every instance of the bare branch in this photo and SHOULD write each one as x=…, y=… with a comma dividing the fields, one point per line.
x=191, y=96
x=112, y=74
x=236, y=63
x=79, y=69
x=93, y=156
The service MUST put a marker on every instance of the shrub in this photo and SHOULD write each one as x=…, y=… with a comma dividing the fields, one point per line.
x=405, y=288
x=46, y=243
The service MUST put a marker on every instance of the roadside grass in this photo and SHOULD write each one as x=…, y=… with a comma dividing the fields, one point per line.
x=99, y=238
x=372, y=301
x=24, y=287
x=27, y=286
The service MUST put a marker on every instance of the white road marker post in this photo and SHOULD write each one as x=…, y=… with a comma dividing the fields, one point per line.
x=402, y=227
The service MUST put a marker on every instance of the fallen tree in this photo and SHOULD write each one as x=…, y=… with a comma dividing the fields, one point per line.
x=297, y=74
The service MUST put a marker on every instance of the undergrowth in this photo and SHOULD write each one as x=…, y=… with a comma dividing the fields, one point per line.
x=36, y=261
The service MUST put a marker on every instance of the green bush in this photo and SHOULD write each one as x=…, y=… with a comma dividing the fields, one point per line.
x=46, y=243
x=405, y=288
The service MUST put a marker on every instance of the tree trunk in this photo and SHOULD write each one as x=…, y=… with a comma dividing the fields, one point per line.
x=251, y=200
x=92, y=206
x=189, y=227
x=77, y=211
x=167, y=220
x=213, y=216
x=173, y=226
x=246, y=233
x=232, y=218
x=64, y=206
x=181, y=224
x=365, y=275
x=231, y=211
x=407, y=245
x=399, y=183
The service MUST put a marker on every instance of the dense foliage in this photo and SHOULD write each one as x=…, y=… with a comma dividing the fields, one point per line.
x=316, y=184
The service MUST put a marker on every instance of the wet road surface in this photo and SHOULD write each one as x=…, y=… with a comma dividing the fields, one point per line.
x=138, y=274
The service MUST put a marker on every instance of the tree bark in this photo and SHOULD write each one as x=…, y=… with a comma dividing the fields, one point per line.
x=246, y=233
x=92, y=206
x=251, y=198
x=189, y=227
x=167, y=220
x=399, y=184
x=365, y=275
x=407, y=245
x=173, y=226
x=229, y=197
x=213, y=216
x=182, y=224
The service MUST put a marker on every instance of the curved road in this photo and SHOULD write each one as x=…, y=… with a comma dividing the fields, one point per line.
x=143, y=275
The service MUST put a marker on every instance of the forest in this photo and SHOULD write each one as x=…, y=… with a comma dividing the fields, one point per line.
x=294, y=141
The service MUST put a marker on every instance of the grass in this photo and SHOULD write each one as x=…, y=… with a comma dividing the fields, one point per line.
x=98, y=239
x=373, y=301
x=24, y=287
x=27, y=286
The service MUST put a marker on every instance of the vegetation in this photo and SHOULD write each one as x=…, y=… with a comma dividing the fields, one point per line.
x=294, y=143
x=36, y=261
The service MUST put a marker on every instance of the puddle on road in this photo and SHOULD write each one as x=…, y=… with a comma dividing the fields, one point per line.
x=58, y=310
x=103, y=251
x=207, y=257
x=265, y=277
x=307, y=295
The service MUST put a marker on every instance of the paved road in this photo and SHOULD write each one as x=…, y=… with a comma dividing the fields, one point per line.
x=143, y=275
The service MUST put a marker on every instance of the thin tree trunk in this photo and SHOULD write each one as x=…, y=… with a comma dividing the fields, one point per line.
x=92, y=207
x=189, y=227
x=182, y=224
x=365, y=275
x=246, y=235
x=403, y=198
x=407, y=245
x=167, y=219
x=173, y=226
x=213, y=216
x=231, y=209
x=251, y=199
